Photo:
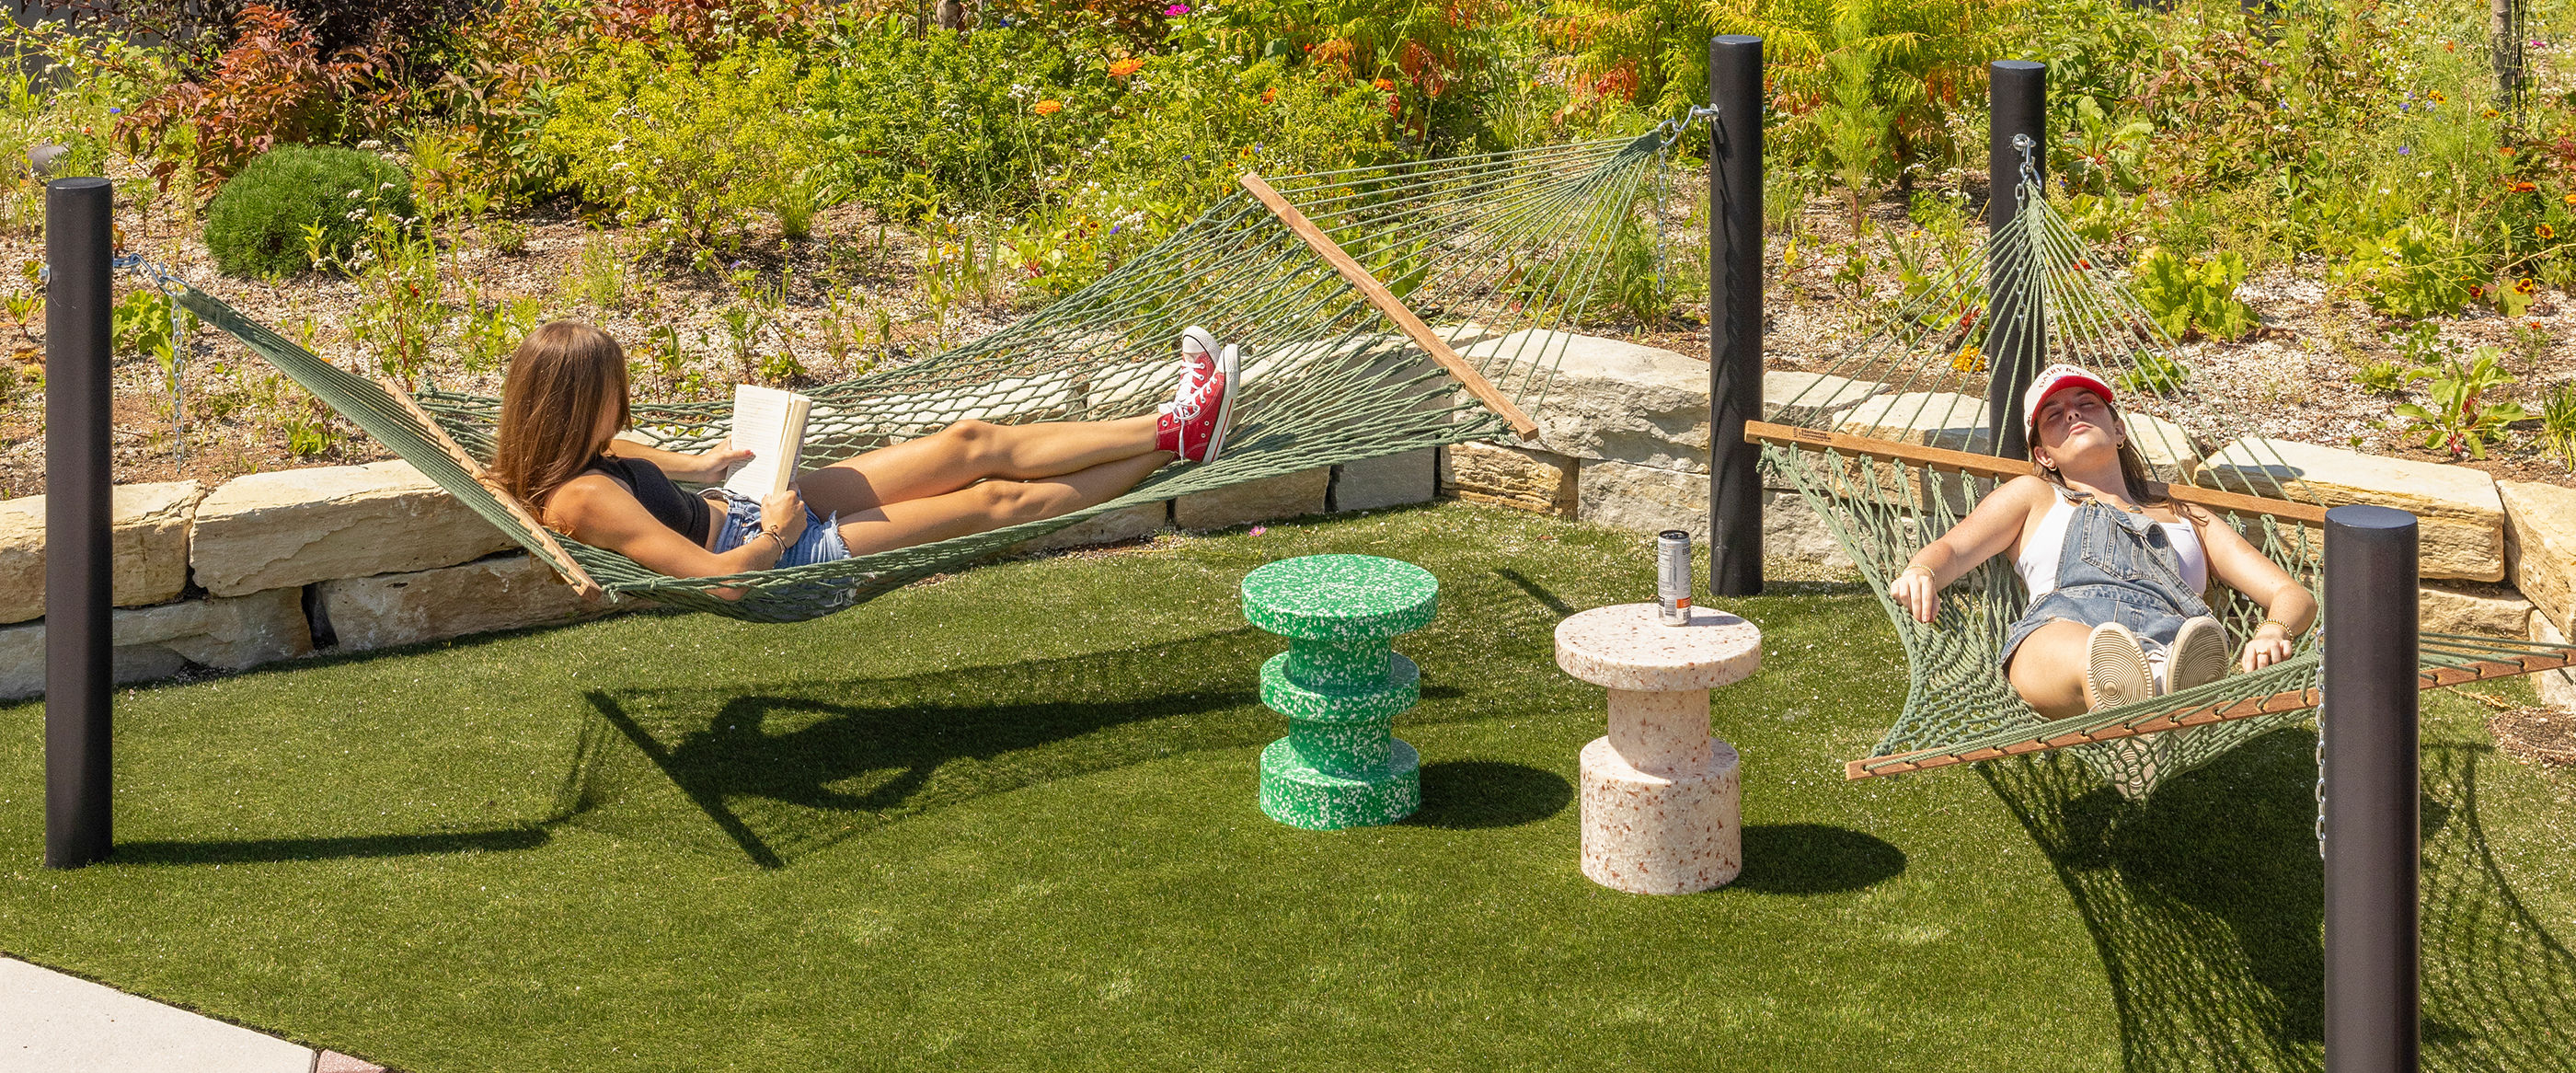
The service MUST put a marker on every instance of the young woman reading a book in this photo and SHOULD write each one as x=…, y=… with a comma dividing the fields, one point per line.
x=2114, y=568
x=566, y=398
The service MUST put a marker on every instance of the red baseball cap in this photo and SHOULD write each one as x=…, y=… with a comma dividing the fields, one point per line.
x=2052, y=380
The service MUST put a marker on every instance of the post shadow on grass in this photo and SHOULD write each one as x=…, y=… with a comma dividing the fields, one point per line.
x=1535, y=590
x=275, y=850
x=1467, y=795
x=791, y=768
x=2206, y=905
x=1814, y=858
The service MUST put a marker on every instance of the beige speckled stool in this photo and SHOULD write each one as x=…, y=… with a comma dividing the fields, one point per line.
x=1662, y=806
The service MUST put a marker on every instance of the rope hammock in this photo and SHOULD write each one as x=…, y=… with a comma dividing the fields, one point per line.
x=1312, y=274
x=1892, y=443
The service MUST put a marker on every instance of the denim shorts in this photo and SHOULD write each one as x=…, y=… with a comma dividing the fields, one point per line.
x=2114, y=567
x=820, y=543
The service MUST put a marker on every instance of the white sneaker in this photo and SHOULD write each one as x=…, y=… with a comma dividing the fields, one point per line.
x=2115, y=668
x=2198, y=655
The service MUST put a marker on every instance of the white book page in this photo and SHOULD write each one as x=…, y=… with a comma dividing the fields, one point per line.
x=771, y=425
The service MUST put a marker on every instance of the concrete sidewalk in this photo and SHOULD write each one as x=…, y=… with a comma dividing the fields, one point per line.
x=54, y=1023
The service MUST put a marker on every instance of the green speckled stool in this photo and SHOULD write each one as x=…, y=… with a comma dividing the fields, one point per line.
x=1340, y=686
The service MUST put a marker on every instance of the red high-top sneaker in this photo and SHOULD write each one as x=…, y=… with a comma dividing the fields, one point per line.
x=1194, y=424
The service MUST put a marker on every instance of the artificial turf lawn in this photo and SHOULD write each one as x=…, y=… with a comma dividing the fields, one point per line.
x=1008, y=821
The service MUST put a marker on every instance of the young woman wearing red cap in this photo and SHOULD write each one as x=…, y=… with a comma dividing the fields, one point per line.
x=2114, y=568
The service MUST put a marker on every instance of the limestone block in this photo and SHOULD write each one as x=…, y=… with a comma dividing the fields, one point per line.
x=502, y=593
x=1929, y=418
x=1010, y=399
x=2166, y=446
x=1523, y=478
x=22, y=662
x=1410, y=477
x=1647, y=500
x=296, y=527
x=1644, y=499
x=1125, y=523
x=1287, y=495
x=2540, y=546
x=147, y=542
x=1611, y=399
x=1802, y=398
x=160, y=641
x=2557, y=688
x=1932, y=419
x=1791, y=530
x=227, y=633
x=2461, y=518
x=2485, y=610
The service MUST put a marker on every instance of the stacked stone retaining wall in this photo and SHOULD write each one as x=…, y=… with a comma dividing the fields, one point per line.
x=352, y=558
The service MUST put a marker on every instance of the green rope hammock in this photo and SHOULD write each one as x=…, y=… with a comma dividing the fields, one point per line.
x=1869, y=440
x=1493, y=251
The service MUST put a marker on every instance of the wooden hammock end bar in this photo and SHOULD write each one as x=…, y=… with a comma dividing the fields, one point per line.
x=2288, y=701
x=1386, y=303
x=1942, y=458
x=555, y=556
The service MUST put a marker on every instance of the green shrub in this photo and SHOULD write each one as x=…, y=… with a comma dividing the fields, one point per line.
x=691, y=147
x=297, y=202
x=2198, y=293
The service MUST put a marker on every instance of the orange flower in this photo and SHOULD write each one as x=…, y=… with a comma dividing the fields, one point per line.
x=1125, y=67
x=1047, y=107
x=1272, y=94
x=2570, y=199
x=2545, y=231
x=2524, y=188
x=2504, y=150
x=1384, y=85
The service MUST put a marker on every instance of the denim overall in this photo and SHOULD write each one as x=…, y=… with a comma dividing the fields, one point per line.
x=2115, y=567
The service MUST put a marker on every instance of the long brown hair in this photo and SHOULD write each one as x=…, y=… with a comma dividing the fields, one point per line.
x=562, y=378
x=2143, y=489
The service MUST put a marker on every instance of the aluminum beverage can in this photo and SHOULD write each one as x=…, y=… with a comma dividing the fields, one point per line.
x=1673, y=577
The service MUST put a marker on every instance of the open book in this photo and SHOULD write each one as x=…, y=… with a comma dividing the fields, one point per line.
x=771, y=424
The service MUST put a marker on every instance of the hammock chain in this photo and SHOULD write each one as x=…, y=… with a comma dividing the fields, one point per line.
x=2321, y=775
x=163, y=280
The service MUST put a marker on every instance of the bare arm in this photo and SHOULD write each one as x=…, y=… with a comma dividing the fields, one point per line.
x=596, y=511
x=2236, y=564
x=706, y=468
x=1991, y=529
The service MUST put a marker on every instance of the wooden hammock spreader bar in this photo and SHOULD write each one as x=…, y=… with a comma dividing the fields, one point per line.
x=558, y=560
x=1387, y=303
x=1942, y=458
x=2435, y=677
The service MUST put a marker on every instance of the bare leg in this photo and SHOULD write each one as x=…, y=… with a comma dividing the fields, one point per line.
x=992, y=505
x=2048, y=669
x=969, y=451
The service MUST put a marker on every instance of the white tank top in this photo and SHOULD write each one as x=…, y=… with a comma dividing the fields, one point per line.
x=2040, y=551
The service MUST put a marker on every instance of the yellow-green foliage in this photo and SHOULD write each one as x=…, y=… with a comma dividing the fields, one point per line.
x=691, y=147
x=2196, y=293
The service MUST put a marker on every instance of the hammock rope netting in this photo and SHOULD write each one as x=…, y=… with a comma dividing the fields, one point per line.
x=1865, y=436
x=1494, y=257
x=1495, y=252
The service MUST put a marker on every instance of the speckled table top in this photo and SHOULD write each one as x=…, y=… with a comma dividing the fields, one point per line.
x=1341, y=598
x=1625, y=647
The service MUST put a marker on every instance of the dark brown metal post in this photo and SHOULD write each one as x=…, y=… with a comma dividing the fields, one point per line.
x=2016, y=330
x=2372, y=767
x=1734, y=315
x=79, y=241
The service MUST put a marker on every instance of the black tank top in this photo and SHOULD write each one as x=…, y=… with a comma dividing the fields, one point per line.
x=684, y=513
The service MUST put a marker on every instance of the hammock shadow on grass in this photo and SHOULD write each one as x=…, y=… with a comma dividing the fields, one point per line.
x=779, y=771
x=2207, y=908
